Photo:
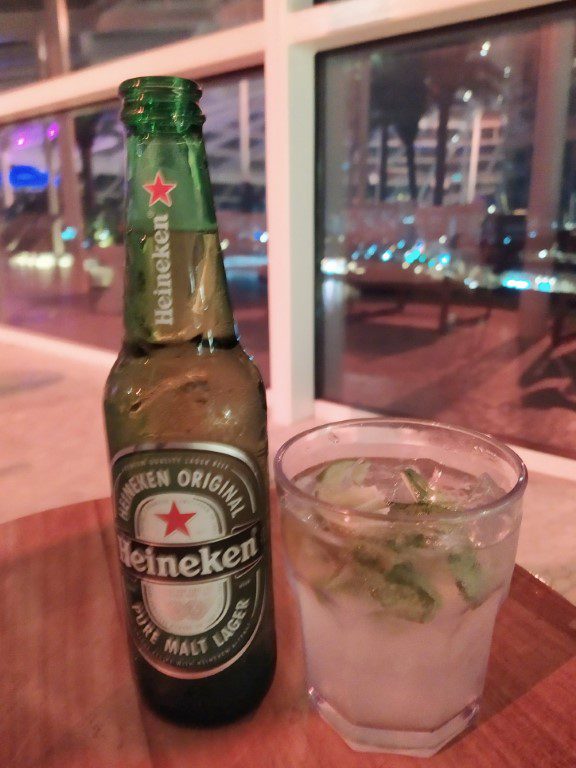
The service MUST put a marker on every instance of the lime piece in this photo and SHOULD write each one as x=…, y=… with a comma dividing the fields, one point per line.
x=469, y=576
x=312, y=560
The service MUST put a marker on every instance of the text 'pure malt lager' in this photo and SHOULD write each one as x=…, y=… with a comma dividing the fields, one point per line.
x=186, y=421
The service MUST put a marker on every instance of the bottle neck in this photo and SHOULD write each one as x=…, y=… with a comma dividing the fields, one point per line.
x=175, y=288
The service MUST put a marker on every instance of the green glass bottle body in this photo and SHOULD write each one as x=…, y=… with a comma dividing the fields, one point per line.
x=185, y=414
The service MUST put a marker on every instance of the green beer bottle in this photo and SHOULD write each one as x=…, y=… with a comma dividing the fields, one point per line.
x=185, y=416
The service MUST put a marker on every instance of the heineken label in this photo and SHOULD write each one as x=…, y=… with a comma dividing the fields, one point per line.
x=191, y=541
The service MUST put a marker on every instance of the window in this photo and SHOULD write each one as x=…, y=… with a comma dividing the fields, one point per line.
x=100, y=31
x=447, y=243
x=63, y=193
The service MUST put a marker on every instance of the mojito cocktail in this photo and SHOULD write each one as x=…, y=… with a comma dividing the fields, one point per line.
x=400, y=538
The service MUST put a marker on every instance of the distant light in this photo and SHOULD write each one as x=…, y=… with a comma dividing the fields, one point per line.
x=224, y=243
x=52, y=131
x=27, y=177
x=102, y=234
x=355, y=255
x=405, y=265
x=341, y=238
x=483, y=53
x=438, y=267
x=45, y=261
x=443, y=239
x=331, y=265
x=455, y=138
x=387, y=255
x=467, y=95
x=532, y=234
x=486, y=45
x=408, y=220
x=263, y=237
x=473, y=284
x=507, y=72
x=545, y=284
x=401, y=243
x=444, y=258
x=69, y=233
x=66, y=261
x=517, y=280
x=373, y=178
x=412, y=255
x=418, y=269
x=507, y=240
x=457, y=177
x=542, y=254
x=370, y=251
x=20, y=141
x=491, y=209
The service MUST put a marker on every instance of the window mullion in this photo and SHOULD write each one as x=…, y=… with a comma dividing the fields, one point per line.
x=289, y=89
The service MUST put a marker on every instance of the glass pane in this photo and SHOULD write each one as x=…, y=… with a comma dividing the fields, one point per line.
x=100, y=31
x=447, y=189
x=61, y=241
x=20, y=28
x=104, y=31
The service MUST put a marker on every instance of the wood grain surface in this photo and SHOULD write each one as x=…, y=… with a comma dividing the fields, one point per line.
x=67, y=698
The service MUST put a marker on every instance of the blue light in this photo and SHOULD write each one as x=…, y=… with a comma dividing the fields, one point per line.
x=444, y=258
x=507, y=240
x=387, y=255
x=370, y=251
x=516, y=280
x=27, y=177
x=355, y=255
x=257, y=234
x=544, y=285
x=69, y=233
x=401, y=243
x=412, y=255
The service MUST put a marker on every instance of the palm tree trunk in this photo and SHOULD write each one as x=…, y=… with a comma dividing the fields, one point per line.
x=411, y=161
x=383, y=187
x=441, y=150
x=86, y=155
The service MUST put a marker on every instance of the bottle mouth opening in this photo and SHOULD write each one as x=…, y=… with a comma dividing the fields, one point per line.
x=172, y=101
x=159, y=85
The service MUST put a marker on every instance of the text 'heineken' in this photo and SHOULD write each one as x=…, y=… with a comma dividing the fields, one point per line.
x=186, y=421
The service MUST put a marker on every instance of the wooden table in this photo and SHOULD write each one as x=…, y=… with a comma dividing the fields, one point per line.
x=67, y=696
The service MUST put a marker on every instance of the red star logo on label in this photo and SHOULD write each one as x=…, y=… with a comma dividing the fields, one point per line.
x=176, y=520
x=159, y=190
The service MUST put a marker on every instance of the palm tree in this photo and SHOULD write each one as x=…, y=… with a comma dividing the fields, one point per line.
x=449, y=71
x=397, y=99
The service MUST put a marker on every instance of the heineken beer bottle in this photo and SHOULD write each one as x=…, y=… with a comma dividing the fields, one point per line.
x=186, y=422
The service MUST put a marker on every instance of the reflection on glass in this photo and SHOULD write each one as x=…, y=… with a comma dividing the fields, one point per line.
x=448, y=187
x=98, y=31
x=61, y=244
x=104, y=31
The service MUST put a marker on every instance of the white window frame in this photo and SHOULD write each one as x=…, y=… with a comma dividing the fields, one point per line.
x=285, y=42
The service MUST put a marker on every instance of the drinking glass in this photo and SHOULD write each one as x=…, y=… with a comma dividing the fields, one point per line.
x=400, y=538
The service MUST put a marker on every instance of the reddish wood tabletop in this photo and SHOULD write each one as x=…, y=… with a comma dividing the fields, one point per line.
x=67, y=696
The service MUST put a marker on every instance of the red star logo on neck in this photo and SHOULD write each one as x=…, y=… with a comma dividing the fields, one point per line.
x=159, y=190
x=176, y=520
